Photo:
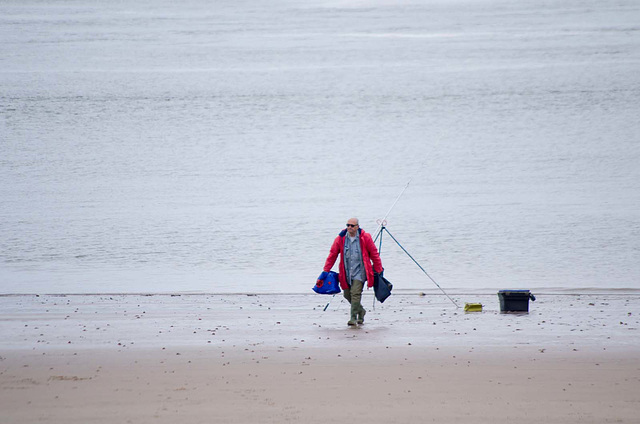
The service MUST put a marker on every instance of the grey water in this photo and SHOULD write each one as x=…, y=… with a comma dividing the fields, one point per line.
x=220, y=146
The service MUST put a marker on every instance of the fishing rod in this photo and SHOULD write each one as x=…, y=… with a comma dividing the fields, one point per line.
x=383, y=220
x=327, y=305
x=382, y=227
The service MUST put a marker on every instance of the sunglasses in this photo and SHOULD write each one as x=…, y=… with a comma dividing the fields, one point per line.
x=352, y=225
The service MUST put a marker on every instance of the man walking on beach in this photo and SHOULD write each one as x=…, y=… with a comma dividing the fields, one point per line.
x=357, y=253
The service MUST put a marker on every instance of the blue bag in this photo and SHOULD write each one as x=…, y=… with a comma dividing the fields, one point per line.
x=328, y=283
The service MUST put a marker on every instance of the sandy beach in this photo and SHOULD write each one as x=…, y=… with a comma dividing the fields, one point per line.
x=161, y=151
x=281, y=358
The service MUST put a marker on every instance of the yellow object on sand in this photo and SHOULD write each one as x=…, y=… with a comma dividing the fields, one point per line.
x=473, y=307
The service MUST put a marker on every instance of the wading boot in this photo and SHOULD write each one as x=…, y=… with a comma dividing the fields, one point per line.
x=354, y=314
x=361, y=315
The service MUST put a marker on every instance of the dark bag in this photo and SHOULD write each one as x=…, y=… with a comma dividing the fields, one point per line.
x=381, y=287
x=328, y=283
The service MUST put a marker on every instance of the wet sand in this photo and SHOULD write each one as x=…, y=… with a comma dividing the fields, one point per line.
x=273, y=359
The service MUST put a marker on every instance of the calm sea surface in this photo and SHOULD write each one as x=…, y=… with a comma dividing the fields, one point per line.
x=220, y=146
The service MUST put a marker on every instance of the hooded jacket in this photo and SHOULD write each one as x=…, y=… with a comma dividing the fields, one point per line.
x=369, y=255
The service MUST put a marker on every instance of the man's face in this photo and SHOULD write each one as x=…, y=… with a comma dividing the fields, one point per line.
x=352, y=227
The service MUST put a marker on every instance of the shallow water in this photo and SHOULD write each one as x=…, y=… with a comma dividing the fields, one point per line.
x=220, y=147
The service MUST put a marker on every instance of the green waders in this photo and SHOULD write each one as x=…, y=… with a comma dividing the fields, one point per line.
x=354, y=296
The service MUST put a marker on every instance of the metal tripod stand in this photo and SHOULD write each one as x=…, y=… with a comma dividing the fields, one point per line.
x=383, y=228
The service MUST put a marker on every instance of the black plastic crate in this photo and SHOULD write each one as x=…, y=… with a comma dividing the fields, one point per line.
x=515, y=300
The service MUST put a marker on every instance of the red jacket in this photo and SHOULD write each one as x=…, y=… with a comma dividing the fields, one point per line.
x=369, y=255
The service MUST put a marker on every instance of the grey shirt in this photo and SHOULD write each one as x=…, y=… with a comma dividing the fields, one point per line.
x=353, y=259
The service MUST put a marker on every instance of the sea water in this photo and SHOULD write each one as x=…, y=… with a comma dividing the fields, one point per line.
x=220, y=146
